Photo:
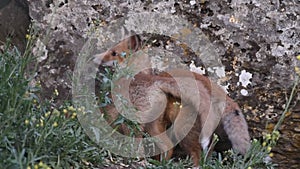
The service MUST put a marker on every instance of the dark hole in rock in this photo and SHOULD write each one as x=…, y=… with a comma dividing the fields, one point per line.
x=73, y=27
x=61, y=4
x=58, y=44
x=291, y=16
x=288, y=62
x=96, y=7
x=236, y=44
x=48, y=3
x=290, y=47
x=293, y=34
x=279, y=31
x=268, y=47
x=254, y=46
x=195, y=7
x=210, y=12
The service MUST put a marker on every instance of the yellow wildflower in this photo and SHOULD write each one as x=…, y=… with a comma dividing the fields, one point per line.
x=41, y=122
x=27, y=36
x=271, y=154
x=56, y=92
x=71, y=108
x=74, y=115
x=276, y=135
x=65, y=111
x=269, y=148
x=268, y=136
x=41, y=163
x=26, y=122
x=55, y=124
x=38, y=83
x=298, y=57
x=47, y=114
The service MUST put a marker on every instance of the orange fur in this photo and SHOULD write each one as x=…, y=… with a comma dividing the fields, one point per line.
x=164, y=87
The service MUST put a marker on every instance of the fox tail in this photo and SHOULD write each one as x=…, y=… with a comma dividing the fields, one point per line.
x=236, y=128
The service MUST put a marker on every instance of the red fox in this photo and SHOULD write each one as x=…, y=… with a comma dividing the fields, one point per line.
x=206, y=102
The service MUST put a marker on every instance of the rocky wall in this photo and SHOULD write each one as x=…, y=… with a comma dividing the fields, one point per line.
x=256, y=41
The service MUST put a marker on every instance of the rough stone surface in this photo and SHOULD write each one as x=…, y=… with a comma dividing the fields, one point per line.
x=260, y=37
x=14, y=22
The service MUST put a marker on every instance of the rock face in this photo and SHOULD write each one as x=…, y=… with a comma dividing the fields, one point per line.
x=14, y=22
x=259, y=39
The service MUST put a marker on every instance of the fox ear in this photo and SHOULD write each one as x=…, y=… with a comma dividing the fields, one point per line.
x=134, y=42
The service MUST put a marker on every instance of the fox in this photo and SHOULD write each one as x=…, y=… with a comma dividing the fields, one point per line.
x=214, y=113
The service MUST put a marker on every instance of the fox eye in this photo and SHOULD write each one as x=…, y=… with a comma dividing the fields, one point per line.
x=114, y=53
x=123, y=54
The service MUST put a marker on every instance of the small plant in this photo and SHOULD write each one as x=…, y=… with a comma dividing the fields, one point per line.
x=32, y=133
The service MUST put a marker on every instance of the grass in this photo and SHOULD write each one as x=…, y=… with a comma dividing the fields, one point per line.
x=35, y=135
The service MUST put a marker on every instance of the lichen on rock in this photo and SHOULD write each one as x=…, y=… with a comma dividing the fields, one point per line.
x=261, y=37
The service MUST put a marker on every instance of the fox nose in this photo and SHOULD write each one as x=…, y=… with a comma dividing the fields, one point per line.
x=102, y=59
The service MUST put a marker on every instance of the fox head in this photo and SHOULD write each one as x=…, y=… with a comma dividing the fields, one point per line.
x=119, y=52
